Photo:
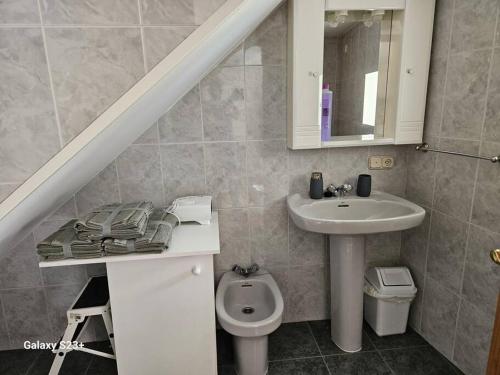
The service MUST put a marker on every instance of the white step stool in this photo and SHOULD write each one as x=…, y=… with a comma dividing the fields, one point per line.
x=93, y=300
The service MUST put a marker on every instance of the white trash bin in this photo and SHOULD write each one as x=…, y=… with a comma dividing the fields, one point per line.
x=388, y=293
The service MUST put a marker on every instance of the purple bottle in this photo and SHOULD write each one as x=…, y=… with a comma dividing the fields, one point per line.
x=326, y=112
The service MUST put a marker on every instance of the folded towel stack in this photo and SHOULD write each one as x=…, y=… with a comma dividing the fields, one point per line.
x=156, y=239
x=64, y=243
x=112, y=229
x=120, y=221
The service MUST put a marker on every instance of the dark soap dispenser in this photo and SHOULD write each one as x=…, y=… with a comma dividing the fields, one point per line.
x=316, y=186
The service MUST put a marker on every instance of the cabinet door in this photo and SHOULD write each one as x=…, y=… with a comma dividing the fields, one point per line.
x=417, y=40
x=305, y=71
x=164, y=316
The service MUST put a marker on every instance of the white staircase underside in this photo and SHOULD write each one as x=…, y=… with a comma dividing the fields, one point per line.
x=122, y=123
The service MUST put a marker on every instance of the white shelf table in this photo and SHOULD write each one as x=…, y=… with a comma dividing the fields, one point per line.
x=163, y=304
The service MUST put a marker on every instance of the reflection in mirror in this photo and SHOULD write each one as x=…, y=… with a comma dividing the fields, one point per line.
x=355, y=67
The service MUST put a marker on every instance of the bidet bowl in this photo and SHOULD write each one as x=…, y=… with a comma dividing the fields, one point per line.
x=249, y=307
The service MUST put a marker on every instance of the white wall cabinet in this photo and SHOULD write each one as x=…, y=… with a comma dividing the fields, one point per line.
x=408, y=69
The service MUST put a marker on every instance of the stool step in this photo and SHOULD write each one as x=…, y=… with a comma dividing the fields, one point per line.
x=96, y=293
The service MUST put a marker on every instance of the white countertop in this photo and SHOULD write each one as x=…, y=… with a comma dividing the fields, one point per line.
x=188, y=239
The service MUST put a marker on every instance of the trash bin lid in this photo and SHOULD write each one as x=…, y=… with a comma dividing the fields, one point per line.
x=391, y=281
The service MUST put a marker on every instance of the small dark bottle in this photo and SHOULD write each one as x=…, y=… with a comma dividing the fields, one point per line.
x=316, y=186
x=364, y=187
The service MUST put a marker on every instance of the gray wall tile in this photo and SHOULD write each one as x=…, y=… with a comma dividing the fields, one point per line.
x=420, y=183
x=267, y=44
x=269, y=234
x=59, y=300
x=26, y=315
x=182, y=123
x=27, y=120
x=68, y=275
x=167, y=12
x=308, y=293
x=222, y=98
x=267, y=171
x=205, y=8
x=19, y=266
x=160, y=41
x=473, y=24
x=455, y=185
x=439, y=316
x=265, y=102
x=466, y=94
x=391, y=180
x=306, y=248
x=91, y=68
x=486, y=206
x=139, y=174
x=149, y=137
x=301, y=163
x=226, y=173
x=19, y=11
x=447, y=250
x=101, y=190
x=345, y=164
x=90, y=12
x=414, y=246
x=491, y=128
x=6, y=190
x=383, y=249
x=473, y=340
x=183, y=170
x=234, y=239
x=4, y=336
x=481, y=277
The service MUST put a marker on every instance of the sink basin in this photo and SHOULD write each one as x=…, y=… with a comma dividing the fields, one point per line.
x=346, y=220
x=381, y=212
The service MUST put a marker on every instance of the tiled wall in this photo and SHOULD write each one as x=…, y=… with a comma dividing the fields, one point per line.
x=226, y=138
x=449, y=254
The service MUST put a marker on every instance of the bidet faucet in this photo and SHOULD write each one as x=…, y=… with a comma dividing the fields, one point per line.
x=245, y=272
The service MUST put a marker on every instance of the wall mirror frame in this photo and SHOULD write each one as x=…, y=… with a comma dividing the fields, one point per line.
x=405, y=37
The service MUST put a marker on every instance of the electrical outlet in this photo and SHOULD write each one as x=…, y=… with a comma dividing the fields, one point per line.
x=375, y=162
x=387, y=162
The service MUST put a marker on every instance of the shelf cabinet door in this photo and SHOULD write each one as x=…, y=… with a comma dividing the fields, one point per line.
x=305, y=72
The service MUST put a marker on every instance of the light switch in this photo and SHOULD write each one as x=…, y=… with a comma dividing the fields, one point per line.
x=375, y=162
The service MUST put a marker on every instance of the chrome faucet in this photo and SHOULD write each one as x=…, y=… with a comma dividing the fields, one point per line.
x=245, y=272
x=339, y=191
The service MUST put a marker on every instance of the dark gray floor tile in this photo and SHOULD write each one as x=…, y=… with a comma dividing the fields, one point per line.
x=369, y=363
x=17, y=362
x=418, y=361
x=292, y=340
x=306, y=366
x=226, y=370
x=225, y=355
x=405, y=340
x=321, y=332
x=102, y=366
x=74, y=363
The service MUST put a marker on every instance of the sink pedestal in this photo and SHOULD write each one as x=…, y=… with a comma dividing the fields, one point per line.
x=347, y=265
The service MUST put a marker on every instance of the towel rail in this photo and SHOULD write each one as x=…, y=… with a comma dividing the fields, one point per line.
x=424, y=147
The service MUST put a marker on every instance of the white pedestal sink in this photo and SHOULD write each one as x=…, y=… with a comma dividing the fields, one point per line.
x=346, y=220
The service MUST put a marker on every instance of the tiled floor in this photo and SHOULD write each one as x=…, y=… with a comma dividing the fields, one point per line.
x=306, y=349
x=294, y=349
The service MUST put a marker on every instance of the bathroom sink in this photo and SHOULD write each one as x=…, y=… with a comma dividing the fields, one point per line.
x=346, y=220
x=381, y=212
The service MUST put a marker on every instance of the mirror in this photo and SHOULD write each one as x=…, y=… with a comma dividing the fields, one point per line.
x=355, y=69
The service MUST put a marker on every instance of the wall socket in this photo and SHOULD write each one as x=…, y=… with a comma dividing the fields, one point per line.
x=380, y=162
